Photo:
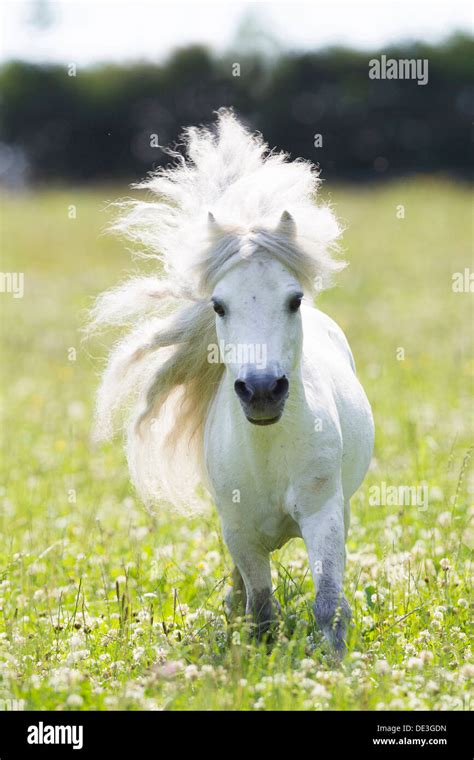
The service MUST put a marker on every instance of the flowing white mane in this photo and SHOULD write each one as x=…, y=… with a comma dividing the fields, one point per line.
x=219, y=203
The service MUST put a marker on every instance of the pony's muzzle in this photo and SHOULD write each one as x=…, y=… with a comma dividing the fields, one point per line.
x=262, y=395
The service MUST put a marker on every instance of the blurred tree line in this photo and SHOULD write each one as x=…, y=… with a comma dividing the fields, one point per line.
x=99, y=124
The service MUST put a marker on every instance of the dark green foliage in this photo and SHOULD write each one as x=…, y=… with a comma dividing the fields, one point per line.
x=97, y=125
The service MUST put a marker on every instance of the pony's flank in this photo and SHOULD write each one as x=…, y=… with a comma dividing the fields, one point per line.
x=159, y=383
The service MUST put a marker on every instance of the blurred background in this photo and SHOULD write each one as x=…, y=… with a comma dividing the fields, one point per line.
x=90, y=90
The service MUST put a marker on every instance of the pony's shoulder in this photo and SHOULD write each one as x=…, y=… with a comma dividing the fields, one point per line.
x=317, y=323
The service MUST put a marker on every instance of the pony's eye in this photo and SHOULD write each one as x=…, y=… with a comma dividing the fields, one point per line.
x=218, y=308
x=295, y=302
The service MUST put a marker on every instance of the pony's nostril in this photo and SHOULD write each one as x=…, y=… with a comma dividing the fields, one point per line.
x=262, y=389
x=243, y=391
x=280, y=388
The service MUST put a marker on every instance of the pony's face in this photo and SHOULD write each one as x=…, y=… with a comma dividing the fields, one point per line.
x=260, y=334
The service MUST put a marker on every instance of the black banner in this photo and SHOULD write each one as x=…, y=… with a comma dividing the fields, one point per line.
x=375, y=734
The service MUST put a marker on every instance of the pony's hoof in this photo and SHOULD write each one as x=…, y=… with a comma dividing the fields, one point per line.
x=332, y=617
x=265, y=627
x=234, y=603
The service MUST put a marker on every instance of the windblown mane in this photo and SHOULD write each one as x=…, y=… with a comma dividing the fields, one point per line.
x=159, y=372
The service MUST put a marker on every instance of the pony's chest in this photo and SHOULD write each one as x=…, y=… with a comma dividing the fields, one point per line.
x=256, y=486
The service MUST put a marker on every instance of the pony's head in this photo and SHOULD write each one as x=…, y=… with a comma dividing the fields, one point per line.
x=258, y=323
x=236, y=229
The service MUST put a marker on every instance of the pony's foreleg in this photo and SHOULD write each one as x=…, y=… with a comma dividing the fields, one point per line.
x=253, y=564
x=236, y=599
x=324, y=533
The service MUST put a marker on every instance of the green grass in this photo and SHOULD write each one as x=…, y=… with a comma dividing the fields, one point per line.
x=102, y=606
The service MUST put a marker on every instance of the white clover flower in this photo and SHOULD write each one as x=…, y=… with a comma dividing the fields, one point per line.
x=76, y=410
x=151, y=705
x=424, y=635
x=398, y=675
x=382, y=667
x=320, y=692
x=134, y=691
x=77, y=655
x=160, y=654
x=170, y=669
x=444, y=518
x=327, y=676
x=445, y=564
x=397, y=704
x=191, y=672
x=426, y=656
x=437, y=494
x=414, y=663
x=74, y=700
x=76, y=641
x=64, y=678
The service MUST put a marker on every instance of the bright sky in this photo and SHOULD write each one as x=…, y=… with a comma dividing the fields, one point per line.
x=89, y=31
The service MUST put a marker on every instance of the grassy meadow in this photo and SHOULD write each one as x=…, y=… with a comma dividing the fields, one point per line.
x=103, y=606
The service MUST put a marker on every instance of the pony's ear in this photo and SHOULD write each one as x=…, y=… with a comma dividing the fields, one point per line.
x=212, y=224
x=286, y=225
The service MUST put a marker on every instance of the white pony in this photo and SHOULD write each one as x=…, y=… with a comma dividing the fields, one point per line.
x=235, y=384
